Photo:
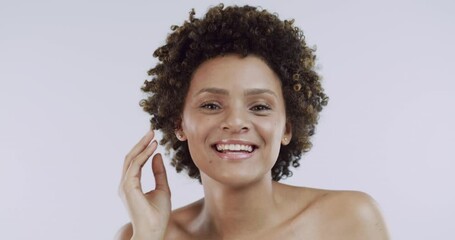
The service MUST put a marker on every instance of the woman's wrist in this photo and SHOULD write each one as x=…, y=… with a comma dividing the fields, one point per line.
x=148, y=235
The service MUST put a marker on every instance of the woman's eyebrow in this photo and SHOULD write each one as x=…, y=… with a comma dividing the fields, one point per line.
x=213, y=90
x=256, y=91
x=248, y=92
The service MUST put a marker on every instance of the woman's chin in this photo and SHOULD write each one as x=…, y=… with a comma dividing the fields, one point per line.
x=235, y=179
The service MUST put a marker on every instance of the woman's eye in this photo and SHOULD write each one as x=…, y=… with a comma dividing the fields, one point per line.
x=260, y=107
x=210, y=106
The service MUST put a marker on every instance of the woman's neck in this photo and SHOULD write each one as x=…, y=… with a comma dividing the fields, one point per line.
x=228, y=211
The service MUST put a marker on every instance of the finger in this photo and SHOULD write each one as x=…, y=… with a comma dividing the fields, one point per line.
x=134, y=170
x=137, y=149
x=159, y=172
x=131, y=181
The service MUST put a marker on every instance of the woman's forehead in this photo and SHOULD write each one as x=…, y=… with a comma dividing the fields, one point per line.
x=234, y=71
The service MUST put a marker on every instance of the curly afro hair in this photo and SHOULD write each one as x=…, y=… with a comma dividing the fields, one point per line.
x=244, y=31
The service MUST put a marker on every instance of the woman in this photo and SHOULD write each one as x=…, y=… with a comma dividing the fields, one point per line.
x=237, y=99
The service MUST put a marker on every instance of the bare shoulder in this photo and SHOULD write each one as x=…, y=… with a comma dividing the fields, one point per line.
x=344, y=214
x=351, y=205
x=180, y=224
x=359, y=214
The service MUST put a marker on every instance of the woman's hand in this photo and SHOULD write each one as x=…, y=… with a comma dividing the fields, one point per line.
x=149, y=212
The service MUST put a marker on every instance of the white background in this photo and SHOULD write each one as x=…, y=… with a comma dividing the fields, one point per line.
x=69, y=92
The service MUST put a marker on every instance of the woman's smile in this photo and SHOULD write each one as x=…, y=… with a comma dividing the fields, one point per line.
x=234, y=149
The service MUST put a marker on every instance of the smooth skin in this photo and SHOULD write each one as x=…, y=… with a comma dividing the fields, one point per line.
x=240, y=199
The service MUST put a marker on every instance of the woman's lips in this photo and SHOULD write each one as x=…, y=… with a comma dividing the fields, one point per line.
x=234, y=147
x=234, y=151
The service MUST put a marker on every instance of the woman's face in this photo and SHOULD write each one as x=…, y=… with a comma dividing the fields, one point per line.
x=234, y=119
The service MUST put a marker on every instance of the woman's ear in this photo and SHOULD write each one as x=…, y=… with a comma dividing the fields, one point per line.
x=179, y=131
x=180, y=135
x=287, y=135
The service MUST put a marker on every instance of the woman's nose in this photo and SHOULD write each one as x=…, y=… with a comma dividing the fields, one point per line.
x=236, y=120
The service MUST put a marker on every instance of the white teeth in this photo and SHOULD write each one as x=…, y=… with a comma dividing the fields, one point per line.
x=234, y=147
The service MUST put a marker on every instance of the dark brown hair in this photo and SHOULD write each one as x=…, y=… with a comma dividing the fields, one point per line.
x=235, y=30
